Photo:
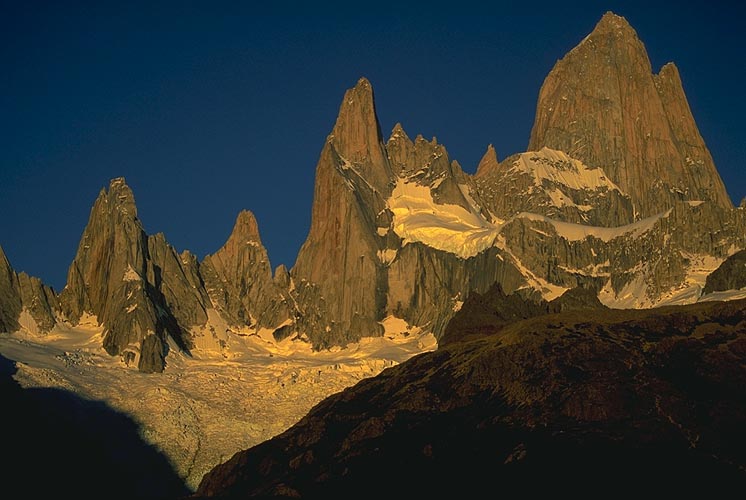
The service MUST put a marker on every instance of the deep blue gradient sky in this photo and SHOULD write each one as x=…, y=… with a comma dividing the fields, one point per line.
x=210, y=108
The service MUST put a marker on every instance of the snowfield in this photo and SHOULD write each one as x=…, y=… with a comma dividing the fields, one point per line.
x=205, y=408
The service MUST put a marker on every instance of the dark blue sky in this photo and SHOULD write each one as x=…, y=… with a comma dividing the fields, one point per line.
x=208, y=108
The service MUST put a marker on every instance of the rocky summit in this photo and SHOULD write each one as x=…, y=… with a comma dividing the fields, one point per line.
x=136, y=285
x=603, y=105
x=616, y=196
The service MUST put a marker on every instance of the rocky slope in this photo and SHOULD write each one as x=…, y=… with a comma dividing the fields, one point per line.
x=486, y=314
x=564, y=403
x=603, y=105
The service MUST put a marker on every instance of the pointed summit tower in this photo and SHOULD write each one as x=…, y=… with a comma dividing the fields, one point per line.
x=140, y=290
x=338, y=272
x=238, y=278
x=488, y=162
x=603, y=105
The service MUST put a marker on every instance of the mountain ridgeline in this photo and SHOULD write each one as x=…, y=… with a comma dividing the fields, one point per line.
x=617, y=194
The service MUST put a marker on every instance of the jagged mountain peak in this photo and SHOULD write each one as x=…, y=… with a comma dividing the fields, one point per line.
x=357, y=123
x=488, y=162
x=246, y=228
x=118, y=197
x=669, y=70
x=613, y=22
x=602, y=104
x=356, y=139
x=398, y=131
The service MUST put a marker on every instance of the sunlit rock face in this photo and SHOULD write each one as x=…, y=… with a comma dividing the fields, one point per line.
x=617, y=194
x=551, y=183
x=372, y=251
x=603, y=105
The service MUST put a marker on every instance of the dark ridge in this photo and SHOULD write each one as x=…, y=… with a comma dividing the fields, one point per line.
x=617, y=402
x=488, y=313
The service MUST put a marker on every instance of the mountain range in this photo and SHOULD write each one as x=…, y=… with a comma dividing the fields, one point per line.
x=587, y=296
x=617, y=193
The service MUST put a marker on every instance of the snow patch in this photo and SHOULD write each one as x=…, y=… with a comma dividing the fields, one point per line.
x=549, y=291
x=579, y=232
x=725, y=295
x=632, y=296
x=387, y=256
x=450, y=228
x=131, y=275
x=559, y=168
x=27, y=322
x=203, y=409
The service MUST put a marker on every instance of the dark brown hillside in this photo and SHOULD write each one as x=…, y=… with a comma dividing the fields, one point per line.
x=587, y=404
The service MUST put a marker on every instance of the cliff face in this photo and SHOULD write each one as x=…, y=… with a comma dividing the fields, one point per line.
x=338, y=273
x=603, y=105
x=369, y=252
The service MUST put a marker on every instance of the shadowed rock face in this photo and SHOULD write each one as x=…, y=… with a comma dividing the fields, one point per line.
x=10, y=301
x=603, y=105
x=485, y=314
x=731, y=275
x=574, y=402
x=19, y=292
